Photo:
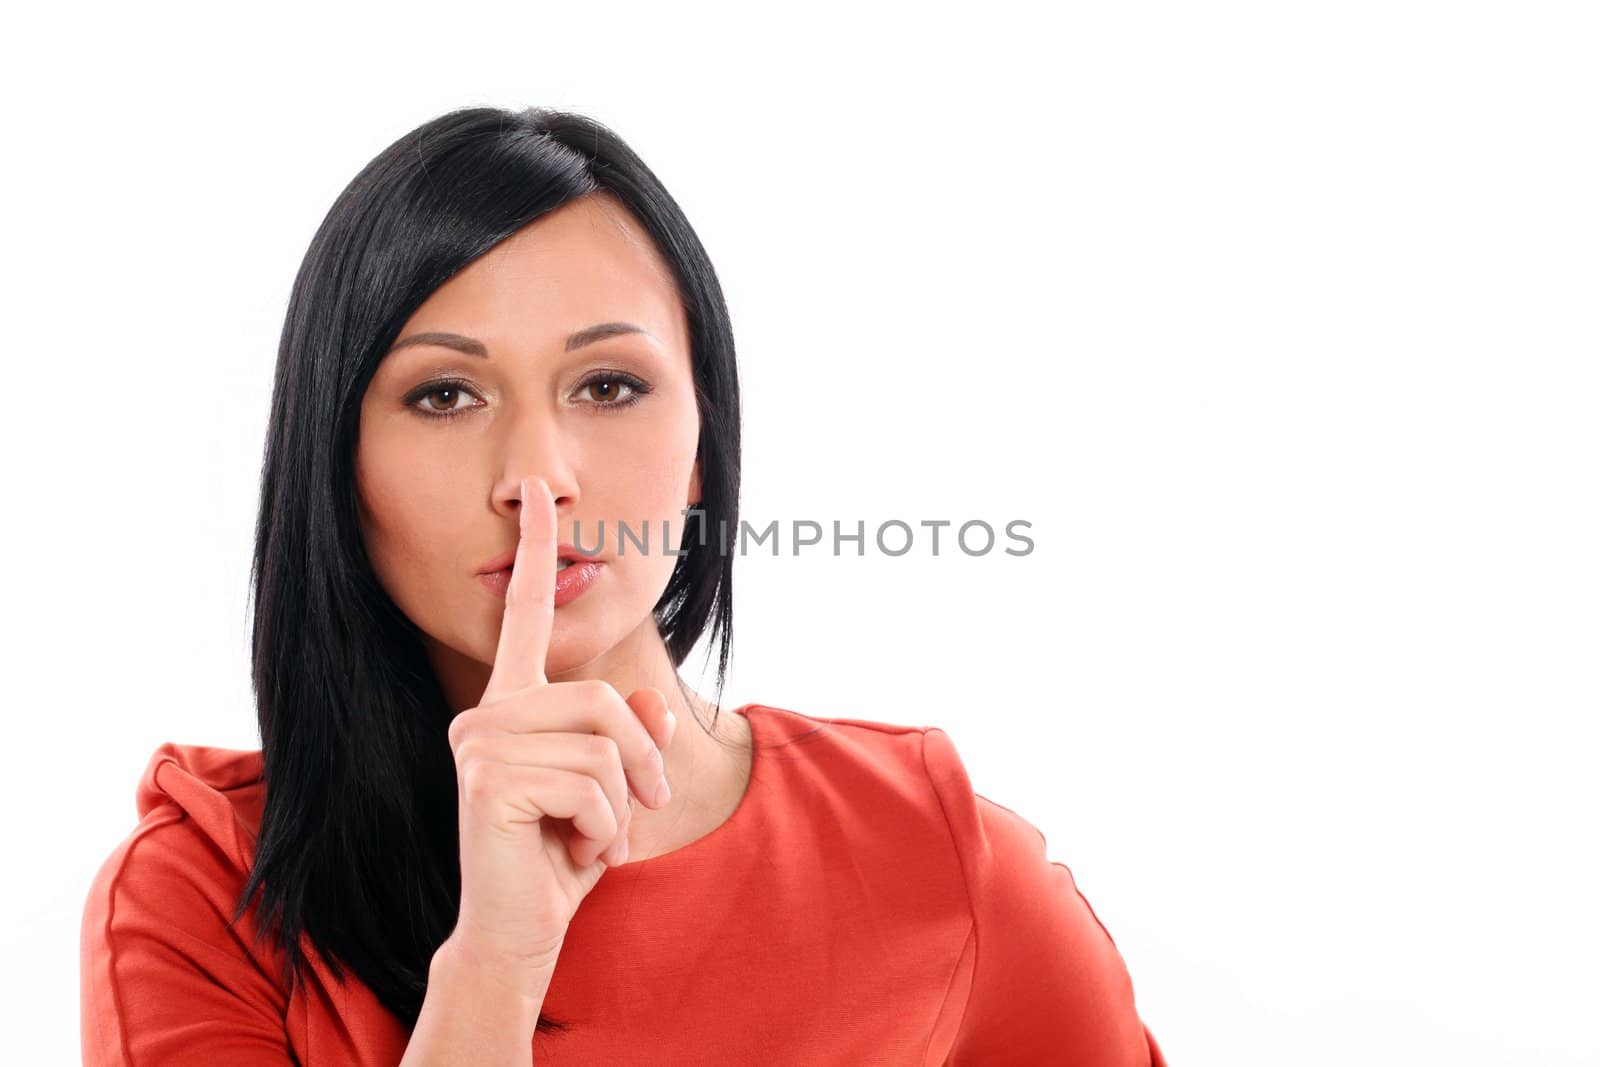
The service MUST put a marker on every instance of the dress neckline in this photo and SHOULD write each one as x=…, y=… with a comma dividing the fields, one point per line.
x=730, y=826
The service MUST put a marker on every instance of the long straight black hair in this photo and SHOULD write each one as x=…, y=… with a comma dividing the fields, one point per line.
x=359, y=846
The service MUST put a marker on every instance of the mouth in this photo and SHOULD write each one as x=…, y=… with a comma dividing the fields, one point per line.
x=571, y=578
x=561, y=565
x=566, y=556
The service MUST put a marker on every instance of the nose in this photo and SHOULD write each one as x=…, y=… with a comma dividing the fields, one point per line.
x=566, y=521
x=536, y=453
x=563, y=500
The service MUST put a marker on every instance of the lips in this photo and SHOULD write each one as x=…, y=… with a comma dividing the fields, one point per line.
x=564, y=551
x=570, y=580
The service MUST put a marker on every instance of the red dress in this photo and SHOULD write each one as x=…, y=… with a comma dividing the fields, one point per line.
x=861, y=906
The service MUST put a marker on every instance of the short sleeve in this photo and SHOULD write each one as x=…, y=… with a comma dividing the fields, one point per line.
x=165, y=981
x=1047, y=984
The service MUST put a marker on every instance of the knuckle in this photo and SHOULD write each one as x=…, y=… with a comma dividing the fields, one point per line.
x=478, y=779
x=605, y=749
x=469, y=750
x=459, y=727
x=596, y=796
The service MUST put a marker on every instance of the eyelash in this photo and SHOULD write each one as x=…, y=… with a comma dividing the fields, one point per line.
x=637, y=389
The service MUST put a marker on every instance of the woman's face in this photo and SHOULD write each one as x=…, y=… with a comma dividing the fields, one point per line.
x=447, y=436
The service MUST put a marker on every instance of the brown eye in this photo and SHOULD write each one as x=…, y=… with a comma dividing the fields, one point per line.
x=452, y=394
x=441, y=399
x=607, y=389
x=613, y=390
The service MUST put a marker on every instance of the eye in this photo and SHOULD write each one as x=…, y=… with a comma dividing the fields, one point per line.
x=613, y=389
x=448, y=391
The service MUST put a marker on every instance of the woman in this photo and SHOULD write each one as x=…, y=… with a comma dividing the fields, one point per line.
x=505, y=329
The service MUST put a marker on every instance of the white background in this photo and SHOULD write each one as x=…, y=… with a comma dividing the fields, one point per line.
x=1277, y=322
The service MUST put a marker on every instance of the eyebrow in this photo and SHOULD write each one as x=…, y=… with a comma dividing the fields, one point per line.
x=474, y=347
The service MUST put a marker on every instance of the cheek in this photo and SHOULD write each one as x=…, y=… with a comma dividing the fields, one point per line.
x=642, y=478
x=647, y=475
x=405, y=514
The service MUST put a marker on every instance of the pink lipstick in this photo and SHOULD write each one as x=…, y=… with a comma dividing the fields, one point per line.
x=571, y=580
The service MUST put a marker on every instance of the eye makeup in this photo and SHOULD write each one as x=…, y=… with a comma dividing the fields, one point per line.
x=634, y=389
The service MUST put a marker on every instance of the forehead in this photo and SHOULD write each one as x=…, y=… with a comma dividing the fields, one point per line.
x=588, y=261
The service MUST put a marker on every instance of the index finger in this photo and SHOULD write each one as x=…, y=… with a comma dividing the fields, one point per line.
x=530, y=597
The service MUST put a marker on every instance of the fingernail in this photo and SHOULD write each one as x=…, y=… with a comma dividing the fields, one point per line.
x=663, y=794
x=672, y=725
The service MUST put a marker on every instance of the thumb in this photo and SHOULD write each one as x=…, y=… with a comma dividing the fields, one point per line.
x=650, y=705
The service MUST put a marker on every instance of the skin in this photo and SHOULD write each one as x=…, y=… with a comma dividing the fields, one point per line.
x=439, y=495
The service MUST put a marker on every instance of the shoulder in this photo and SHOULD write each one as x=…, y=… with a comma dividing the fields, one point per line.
x=911, y=780
x=158, y=943
x=851, y=787
x=919, y=763
x=825, y=764
x=1003, y=854
x=1039, y=979
x=194, y=800
x=834, y=739
x=1046, y=978
x=180, y=869
x=201, y=798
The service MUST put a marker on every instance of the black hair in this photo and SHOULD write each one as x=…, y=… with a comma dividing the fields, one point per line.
x=358, y=848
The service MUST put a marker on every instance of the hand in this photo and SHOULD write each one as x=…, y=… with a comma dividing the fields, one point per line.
x=544, y=772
